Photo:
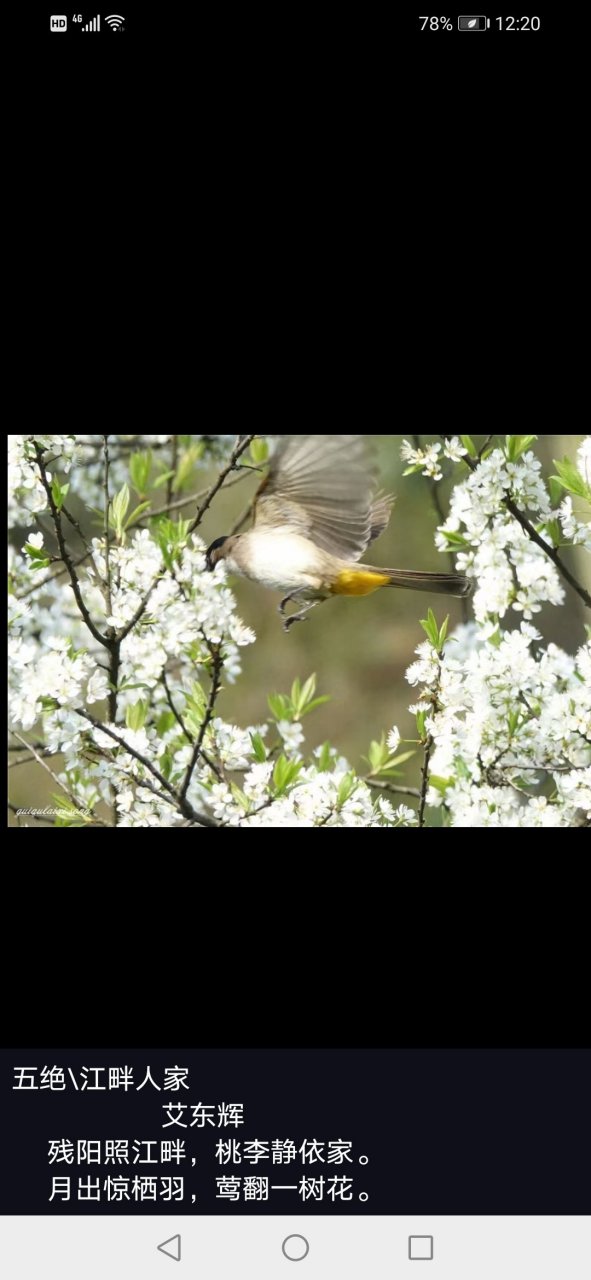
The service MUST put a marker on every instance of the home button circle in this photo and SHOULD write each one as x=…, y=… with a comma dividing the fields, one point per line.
x=295, y=1248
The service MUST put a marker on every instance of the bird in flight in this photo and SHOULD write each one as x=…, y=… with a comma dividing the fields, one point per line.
x=316, y=513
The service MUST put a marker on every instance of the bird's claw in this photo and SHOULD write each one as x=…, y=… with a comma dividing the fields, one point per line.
x=295, y=617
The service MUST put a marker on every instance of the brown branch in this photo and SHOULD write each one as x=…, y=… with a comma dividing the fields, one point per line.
x=242, y=444
x=186, y=502
x=141, y=609
x=76, y=525
x=185, y=807
x=65, y=555
x=550, y=551
x=37, y=586
x=395, y=791
x=425, y=781
x=532, y=533
x=173, y=467
x=213, y=694
x=177, y=715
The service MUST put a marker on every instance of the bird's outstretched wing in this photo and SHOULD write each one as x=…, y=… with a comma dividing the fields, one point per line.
x=324, y=488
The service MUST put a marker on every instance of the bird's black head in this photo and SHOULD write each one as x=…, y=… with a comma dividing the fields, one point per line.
x=213, y=553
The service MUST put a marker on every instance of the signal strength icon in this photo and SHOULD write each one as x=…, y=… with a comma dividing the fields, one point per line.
x=115, y=21
x=94, y=24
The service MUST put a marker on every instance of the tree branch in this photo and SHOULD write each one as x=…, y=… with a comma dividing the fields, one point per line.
x=64, y=553
x=185, y=807
x=242, y=444
x=425, y=781
x=532, y=533
x=394, y=790
x=213, y=694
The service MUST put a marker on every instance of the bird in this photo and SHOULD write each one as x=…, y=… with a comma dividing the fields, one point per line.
x=317, y=511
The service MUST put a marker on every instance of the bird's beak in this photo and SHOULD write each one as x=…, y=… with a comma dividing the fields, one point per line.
x=208, y=564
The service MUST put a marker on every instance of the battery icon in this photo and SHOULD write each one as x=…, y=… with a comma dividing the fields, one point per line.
x=470, y=23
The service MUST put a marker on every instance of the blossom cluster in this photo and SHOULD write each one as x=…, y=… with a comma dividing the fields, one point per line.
x=116, y=660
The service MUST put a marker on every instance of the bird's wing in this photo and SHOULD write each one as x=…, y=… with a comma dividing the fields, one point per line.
x=324, y=488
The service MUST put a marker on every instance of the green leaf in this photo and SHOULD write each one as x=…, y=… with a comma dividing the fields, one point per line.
x=431, y=629
x=280, y=706
x=135, y=716
x=258, y=747
x=401, y=759
x=165, y=764
x=186, y=465
x=118, y=510
x=556, y=490
x=135, y=515
x=162, y=479
x=58, y=493
x=515, y=446
x=324, y=758
x=571, y=479
x=285, y=774
x=411, y=471
x=378, y=754
x=240, y=797
x=440, y=784
x=165, y=722
x=68, y=815
x=513, y=722
x=37, y=555
x=140, y=466
x=454, y=539
x=317, y=702
x=554, y=530
x=346, y=788
x=469, y=445
x=259, y=451
x=443, y=635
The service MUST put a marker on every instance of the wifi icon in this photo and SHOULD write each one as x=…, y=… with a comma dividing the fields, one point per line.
x=115, y=21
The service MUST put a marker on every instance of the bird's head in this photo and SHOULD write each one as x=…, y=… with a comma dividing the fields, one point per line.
x=216, y=552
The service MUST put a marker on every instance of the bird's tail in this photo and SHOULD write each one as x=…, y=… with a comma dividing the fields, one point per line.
x=444, y=584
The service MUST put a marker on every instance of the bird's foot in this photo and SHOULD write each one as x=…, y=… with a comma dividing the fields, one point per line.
x=281, y=608
x=295, y=617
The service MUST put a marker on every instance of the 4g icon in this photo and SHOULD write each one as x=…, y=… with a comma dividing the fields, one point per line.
x=58, y=22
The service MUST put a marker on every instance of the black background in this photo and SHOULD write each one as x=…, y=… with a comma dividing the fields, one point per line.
x=446, y=1132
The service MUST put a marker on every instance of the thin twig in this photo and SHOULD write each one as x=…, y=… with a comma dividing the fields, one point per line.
x=395, y=791
x=242, y=444
x=76, y=525
x=64, y=553
x=74, y=799
x=186, y=808
x=177, y=715
x=425, y=781
x=37, y=586
x=179, y=503
x=173, y=466
x=535, y=537
x=13, y=764
x=141, y=609
x=213, y=694
x=106, y=529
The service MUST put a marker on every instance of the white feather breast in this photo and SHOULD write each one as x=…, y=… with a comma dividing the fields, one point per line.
x=283, y=561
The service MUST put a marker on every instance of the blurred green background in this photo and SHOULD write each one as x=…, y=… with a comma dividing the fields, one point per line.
x=359, y=648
